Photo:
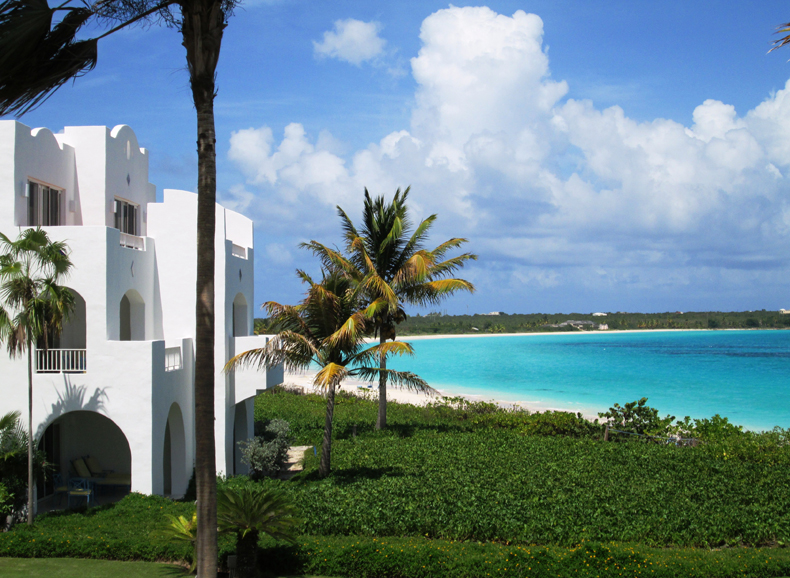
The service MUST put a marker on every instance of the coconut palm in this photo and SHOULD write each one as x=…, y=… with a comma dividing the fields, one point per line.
x=249, y=511
x=327, y=329
x=390, y=264
x=36, y=59
x=33, y=306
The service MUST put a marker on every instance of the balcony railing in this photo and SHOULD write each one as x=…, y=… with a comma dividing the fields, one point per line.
x=61, y=361
x=132, y=242
x=238, y=251
x=173, y=359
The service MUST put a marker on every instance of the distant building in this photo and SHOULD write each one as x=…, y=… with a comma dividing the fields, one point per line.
x=599, y=314
x=784, y=311
x=494, y=313
x=603, y=327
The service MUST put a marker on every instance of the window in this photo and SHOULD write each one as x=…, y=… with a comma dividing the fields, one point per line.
x=43, y=205
x=126, y=217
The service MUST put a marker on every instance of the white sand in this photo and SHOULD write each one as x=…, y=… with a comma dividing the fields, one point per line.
x=304, y=381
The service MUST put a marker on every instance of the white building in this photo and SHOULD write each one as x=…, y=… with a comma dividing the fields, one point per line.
x=118, y=385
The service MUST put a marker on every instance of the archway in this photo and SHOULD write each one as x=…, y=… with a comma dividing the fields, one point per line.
x=174, y=470
x=132, y=314
x=240, y=434
x=86, y=444
x=240, y=328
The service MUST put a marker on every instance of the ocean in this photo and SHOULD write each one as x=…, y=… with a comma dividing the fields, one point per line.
x=741, y=375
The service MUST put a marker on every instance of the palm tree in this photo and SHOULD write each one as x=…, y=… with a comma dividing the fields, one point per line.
x=393, y=269
x=249, y=511
x=327, y=329
x=36, y=59
x=33, y=306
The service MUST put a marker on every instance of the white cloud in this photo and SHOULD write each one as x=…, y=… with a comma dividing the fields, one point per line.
x=351, y=40
x=548, y=189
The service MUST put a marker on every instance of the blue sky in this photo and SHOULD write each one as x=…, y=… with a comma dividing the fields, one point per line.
x=598, y=155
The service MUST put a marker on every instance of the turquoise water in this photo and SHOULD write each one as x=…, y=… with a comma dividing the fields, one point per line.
x=743, y=375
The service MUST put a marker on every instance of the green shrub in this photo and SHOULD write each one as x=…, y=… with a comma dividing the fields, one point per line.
x=357, y=557
x=561, y=423
x=6, y=501
x=266, y=454
x=636, y=417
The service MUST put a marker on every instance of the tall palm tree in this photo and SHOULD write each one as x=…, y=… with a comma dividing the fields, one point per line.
x=33, y=306
x=327, y=329
x=393, y=268
x=36, y=59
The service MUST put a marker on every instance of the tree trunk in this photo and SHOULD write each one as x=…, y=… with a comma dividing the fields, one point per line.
x=203, y=22
x=29, y=431
x=326, y=448
x=381, y=422
x=247, y=555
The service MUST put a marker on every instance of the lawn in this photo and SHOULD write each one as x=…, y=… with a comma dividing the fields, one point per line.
x=81, y=568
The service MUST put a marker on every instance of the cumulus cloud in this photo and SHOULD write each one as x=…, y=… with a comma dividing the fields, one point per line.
x=551, y=190
x=351, y=40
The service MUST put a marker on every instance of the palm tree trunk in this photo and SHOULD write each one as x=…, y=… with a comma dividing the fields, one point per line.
x=202, y=25
x=381, y=422
x=247, y=555
x=326, y=447
x=29, y=432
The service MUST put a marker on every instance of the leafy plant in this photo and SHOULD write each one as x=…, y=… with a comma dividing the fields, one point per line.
x=249, y=511
x=181, y=529
x=638, y=418
x=266, y=454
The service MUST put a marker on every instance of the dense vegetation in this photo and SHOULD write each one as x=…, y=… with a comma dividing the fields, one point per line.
x=435, y=323
x=468, y=489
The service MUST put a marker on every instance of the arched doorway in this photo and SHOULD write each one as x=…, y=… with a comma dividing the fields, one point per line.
x=132, y=312
x=174, y=470
x=87, y=444
x=240, y=328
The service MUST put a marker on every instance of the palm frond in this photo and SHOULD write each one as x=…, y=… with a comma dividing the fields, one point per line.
x=403, y=379
x=331, y=375
x=784, y=40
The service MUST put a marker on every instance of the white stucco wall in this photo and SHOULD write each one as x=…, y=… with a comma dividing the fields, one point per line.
x=128, y=381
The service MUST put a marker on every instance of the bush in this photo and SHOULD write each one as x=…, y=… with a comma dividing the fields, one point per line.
x=561, y=423
x=267, y=454
x=358, y=557
x=6, y=501
x=638, y=418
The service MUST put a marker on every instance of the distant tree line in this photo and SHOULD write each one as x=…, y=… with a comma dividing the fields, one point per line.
x=434, y=323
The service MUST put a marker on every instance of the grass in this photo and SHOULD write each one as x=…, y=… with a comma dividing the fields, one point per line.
x=81, y=568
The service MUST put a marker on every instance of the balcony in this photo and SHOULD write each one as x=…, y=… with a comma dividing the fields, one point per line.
x=61, y=361
x=238, y=251
x=132, y=242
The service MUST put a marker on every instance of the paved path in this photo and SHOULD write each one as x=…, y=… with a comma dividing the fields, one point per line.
x=294, y=464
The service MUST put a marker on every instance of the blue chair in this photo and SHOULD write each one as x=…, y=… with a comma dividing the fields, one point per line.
x=81, y=488
x=59, y=486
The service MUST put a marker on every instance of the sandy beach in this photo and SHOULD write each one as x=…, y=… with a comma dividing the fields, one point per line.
x=304, y=381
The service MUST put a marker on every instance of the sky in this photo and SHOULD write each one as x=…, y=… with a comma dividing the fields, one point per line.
x=597, y=155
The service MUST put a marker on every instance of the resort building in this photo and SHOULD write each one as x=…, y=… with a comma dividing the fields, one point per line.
x=117, y=385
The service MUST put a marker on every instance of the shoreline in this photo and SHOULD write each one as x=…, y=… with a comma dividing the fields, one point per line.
x=304, y=381
x=590, y=332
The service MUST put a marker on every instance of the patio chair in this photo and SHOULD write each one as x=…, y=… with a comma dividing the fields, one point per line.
x=106, y=478
x=81, y=488
x=60, y=488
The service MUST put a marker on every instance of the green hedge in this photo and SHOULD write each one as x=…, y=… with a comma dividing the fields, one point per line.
x=355, y=557
x=504, y=486
x=126, y=530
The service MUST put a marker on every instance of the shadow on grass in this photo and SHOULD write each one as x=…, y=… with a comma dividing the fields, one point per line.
x=350, y=475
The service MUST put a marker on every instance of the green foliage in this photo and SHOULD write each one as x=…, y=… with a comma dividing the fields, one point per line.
x=404, y=557
x=436, y=323
x=131, y=529
x=561, y=423
x=464, y=470
x=181, y=529
x=267, y=453
x=715, y=428
x=636, y=417
x=6, y=501
x=252, y=508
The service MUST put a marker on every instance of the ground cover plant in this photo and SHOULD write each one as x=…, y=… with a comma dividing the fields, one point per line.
x=462, y=472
